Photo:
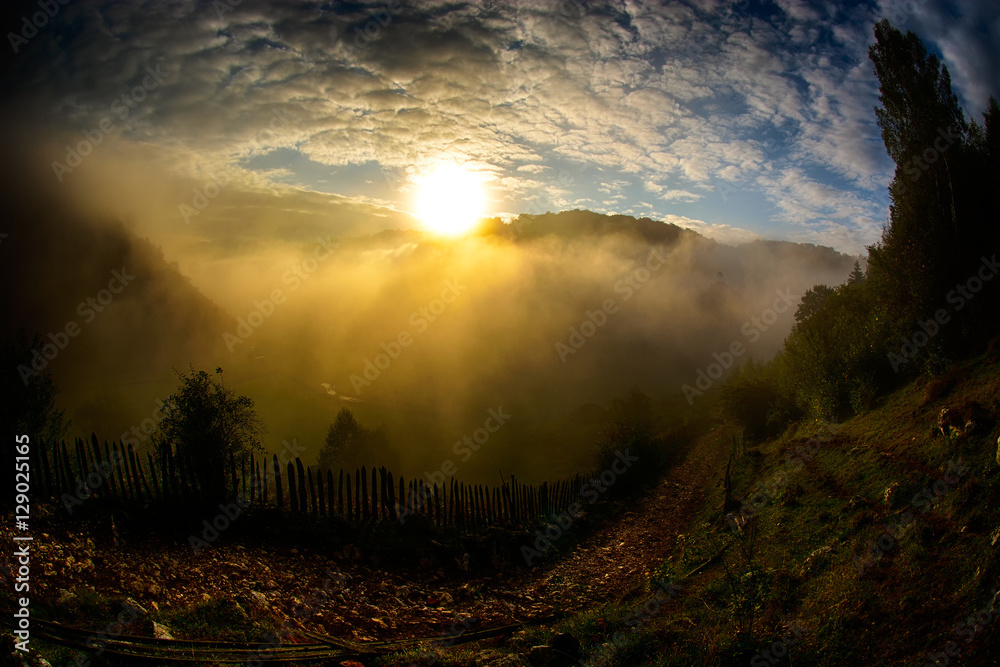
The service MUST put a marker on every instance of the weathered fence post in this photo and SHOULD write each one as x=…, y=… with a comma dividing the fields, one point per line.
x=278, y=494
x=300, y=480
x=319, y=491
x=293, y=497
x=390, y=490
x=350, y=514
x=384, y=493
x=329, y=493
x=340, y=494
x=312, y=493
x=364, y=493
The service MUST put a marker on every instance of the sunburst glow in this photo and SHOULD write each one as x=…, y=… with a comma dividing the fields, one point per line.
x=450, y=200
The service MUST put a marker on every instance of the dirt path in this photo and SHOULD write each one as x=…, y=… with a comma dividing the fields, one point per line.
x=607, y=565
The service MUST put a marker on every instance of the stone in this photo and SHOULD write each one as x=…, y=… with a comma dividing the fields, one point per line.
x=136, y=608
x=816, y=560
x=161, y=631
x=949, y=421
x=890, y=493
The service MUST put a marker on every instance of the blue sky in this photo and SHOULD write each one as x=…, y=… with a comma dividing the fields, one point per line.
x=736, y=119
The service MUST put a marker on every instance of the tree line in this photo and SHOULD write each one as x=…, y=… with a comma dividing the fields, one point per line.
x=926, y=297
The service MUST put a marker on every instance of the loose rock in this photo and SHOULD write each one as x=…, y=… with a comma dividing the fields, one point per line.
x=161, y=631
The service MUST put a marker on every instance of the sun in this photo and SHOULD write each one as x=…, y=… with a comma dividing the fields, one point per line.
x=450, y=200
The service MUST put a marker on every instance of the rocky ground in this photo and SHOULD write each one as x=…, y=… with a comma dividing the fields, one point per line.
x=347, y=591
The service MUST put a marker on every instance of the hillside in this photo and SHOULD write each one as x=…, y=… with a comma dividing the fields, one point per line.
x=871, y=542
x=120, y=314
x=660, y=580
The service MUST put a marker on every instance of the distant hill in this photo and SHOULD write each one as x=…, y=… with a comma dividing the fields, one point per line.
x=135, y=315
x=510, y=338
x=576, y=223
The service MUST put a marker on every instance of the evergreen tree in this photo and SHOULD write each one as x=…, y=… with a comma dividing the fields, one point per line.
x=350, y=445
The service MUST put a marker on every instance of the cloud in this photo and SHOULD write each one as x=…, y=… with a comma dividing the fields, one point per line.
x=721, y=232
x=678, y=95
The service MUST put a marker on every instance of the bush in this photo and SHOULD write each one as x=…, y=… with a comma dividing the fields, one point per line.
x=207, y=425
x=632, y=428
x=755, y=399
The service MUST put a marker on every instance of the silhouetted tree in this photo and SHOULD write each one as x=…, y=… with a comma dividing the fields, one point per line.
x=755, y=399
x=849, y=342
x=633, y=428
x=991, y=124
x=925, y=134
x=350, y=445
x=812, y=301
x=857, y=275
x=944, y=195
x=206, y=424
x=27, y=402
x=835, y=352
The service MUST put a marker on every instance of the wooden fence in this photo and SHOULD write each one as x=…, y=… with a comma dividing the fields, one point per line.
x=115, y=471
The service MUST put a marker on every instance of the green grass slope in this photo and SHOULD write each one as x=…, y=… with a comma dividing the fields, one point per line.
x=873, y=542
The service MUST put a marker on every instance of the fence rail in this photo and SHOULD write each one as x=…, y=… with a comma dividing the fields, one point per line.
x=114, y=471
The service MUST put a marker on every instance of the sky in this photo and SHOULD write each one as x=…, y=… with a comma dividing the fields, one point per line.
x=736, y=119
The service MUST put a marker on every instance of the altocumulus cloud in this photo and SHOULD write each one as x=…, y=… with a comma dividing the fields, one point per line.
x=690, y=97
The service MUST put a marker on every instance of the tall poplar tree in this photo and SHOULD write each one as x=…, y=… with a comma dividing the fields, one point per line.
x=925, y=133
